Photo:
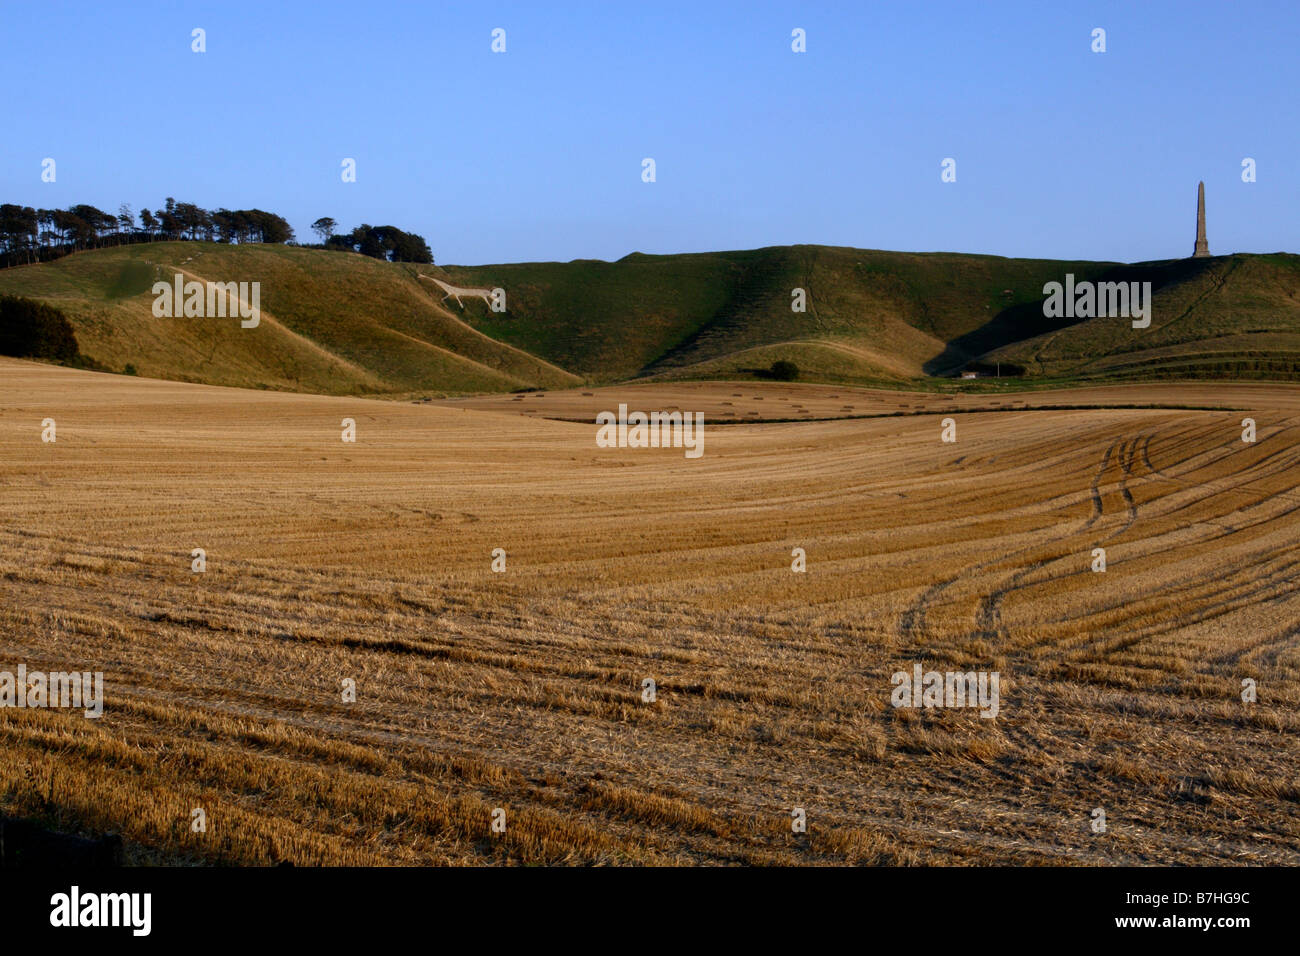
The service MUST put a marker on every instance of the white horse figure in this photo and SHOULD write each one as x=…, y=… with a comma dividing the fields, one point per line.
x=455, y=292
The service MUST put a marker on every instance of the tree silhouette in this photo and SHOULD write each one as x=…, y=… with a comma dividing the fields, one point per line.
x=324, y=227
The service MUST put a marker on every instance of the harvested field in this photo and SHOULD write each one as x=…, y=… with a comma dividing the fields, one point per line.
x=795, y=402
x=522, y=690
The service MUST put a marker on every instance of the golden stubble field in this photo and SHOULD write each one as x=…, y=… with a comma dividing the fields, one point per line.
x=522, y=690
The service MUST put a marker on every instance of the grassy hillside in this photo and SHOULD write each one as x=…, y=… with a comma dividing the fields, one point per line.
x=342, y=323
x=1229, y=316
x=331, y=322
x=877, y=316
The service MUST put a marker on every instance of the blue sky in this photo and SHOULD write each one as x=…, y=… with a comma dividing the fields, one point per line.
x=535, y=154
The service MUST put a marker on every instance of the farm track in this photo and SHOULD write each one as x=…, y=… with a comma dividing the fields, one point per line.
x=522, y=690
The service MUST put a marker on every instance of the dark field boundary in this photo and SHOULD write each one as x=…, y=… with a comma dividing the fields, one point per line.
x=941, y=411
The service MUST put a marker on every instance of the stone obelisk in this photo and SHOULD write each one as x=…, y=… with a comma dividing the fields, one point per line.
x=1202, y=250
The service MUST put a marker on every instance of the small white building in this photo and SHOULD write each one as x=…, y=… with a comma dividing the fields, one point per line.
x=970, y=374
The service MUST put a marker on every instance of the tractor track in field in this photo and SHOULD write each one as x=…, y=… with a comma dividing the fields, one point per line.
x=989, y=615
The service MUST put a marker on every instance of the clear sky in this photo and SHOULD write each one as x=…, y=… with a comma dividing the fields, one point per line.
x=536, y=153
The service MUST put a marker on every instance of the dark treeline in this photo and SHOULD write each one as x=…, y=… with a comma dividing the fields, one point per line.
x=30, y=329
x=382, y=242
x=30, y=235
x=38, y=235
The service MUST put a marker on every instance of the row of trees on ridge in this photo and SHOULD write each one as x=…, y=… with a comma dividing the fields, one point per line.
x=29, y=235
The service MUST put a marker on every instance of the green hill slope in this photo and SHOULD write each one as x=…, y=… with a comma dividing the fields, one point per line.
x=880, y=316
x=342, y=323
x=1224, y=317
x=331, y=322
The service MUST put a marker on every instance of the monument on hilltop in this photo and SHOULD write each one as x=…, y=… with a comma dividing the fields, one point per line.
x=1202, y=250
